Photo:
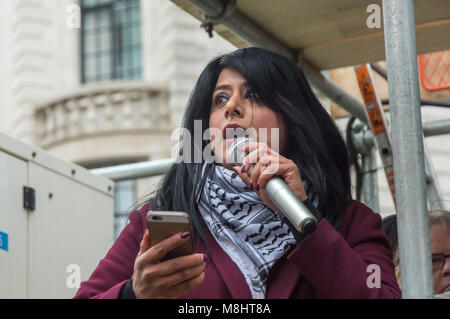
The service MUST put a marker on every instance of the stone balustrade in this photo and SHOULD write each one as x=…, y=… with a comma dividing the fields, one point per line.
x=101, y=109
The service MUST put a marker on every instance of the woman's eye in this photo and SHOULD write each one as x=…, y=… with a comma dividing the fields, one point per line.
x=220, y=99
x=252, y=95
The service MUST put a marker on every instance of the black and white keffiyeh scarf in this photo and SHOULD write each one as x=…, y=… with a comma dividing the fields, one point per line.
x=253, y=235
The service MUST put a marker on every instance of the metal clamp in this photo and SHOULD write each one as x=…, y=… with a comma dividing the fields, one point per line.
x=209, y=22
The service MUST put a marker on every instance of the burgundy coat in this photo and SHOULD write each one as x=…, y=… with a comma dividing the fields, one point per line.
x=329, y=263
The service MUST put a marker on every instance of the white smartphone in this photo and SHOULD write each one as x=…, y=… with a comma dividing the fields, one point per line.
x=163, y=224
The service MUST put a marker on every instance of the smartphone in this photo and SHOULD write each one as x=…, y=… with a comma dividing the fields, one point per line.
x=163, y=224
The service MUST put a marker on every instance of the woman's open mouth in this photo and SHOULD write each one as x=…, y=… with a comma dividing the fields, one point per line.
x=233, y=131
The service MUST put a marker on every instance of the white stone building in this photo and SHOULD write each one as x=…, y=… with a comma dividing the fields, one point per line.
x=106, y=91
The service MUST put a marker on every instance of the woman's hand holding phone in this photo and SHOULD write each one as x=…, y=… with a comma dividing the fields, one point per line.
x=170, y=278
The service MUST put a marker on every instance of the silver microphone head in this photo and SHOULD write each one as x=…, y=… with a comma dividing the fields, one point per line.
x=237, y=156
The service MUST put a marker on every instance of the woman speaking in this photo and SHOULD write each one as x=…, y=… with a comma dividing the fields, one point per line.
x=244, y=246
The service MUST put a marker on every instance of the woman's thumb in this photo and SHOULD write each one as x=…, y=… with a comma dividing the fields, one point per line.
x=145, y=243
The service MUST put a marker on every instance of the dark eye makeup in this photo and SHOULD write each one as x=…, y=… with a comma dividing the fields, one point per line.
x=250, y=94
x=221, y=98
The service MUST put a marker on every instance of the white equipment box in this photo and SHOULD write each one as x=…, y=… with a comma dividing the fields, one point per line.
x=47, y=249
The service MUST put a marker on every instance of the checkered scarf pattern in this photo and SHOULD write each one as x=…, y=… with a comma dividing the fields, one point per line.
x=253, y=235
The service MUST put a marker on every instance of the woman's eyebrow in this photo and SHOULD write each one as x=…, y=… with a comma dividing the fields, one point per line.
x=223, y=87
x=227, y=87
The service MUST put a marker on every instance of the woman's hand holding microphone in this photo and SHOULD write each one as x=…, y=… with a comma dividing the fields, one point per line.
x=266, y=164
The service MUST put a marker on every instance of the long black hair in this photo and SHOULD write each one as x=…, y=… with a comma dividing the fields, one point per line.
x=314, y=142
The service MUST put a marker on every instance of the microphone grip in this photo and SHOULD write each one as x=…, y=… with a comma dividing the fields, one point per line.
x=291, y=207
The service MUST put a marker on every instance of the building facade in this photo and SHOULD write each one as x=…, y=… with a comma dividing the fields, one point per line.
x=100, y=82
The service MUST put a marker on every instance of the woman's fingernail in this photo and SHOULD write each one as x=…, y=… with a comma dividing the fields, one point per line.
x=242, y=168
x=185, y=235
x=257, y=187
x=251, y=187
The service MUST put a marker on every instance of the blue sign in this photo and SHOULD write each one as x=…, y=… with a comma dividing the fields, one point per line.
x=3, y=241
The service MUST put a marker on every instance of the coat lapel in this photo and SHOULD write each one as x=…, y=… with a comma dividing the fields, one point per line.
x=230, y=272
x=283, y=278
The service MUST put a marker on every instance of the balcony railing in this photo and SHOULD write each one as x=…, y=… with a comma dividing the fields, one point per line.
x=102, y=108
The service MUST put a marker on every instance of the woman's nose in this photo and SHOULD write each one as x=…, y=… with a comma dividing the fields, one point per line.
x=234, y=108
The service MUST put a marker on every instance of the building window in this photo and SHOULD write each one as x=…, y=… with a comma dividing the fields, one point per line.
x=111, y=40
x=124, y=200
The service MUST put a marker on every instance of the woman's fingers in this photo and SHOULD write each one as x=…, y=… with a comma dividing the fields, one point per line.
x=257, y=152
x=266, y=167
x=145, y=243
x=187, y=285
x=179, y=264
x=181, y=276
x=270, y=171
x=168, y=279
x=266, y=164
x=244, y=176
x=263, y=147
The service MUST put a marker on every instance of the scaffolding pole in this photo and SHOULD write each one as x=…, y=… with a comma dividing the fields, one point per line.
x=370, y=180
x=407, y=148
x=135, y=170
x=439, y=127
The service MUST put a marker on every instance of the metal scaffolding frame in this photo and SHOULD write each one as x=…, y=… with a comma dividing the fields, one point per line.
x=135, y=170
x=407, y=149
x=406, y=128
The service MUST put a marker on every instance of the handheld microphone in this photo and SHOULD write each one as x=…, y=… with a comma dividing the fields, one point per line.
x=280, y=194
